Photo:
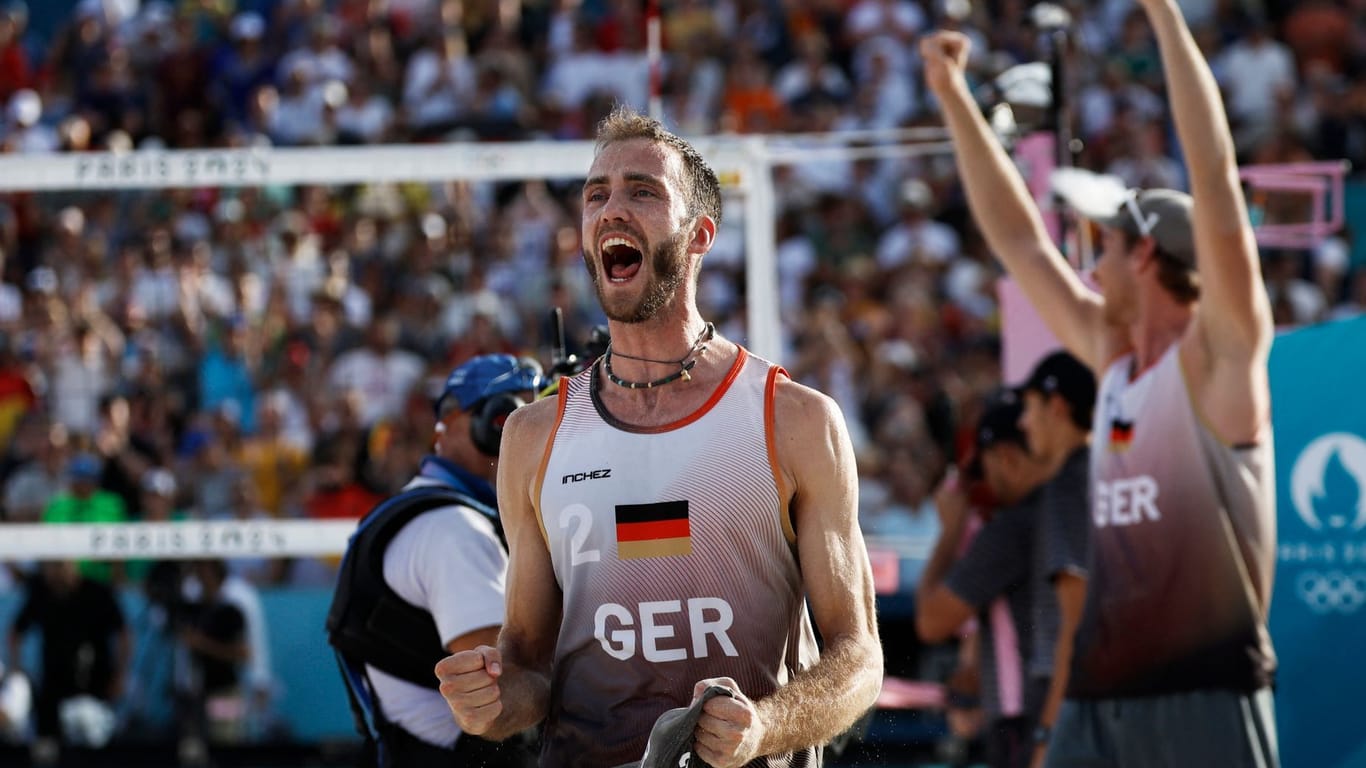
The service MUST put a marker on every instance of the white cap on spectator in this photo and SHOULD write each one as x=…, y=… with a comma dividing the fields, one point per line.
x=958, y=10
x=334, y=93
x=917, y=194
x=900, y=353
x=248, y=26
x=1334, y=254
x=71, y=220
x=229, y=209
x=25, y=107
x=438, y=287
x=433, y=225
x=159, y=481
x=118, y=140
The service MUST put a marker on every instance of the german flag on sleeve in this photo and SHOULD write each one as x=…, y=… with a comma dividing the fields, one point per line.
x=653, y=530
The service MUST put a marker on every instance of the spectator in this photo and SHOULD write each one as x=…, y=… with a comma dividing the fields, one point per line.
x=1258, y=73
x=439, y=85
x=38, y=480
x=24, y=134
x=367, y=117
x=812, y=76
x=751, y=104
x=244, y=68
x=82, y=374
x=255, y=571
x=216, y=473
x=227, y=374
x=991, y=579
x=158, y=499
x=86, y=502
x=15, y=69
x=298, y=116
x=274, y=464
x=85, y=645
x=182, y=83
x=1059, y=398
x=917, y=237
x=322, y=61
x=215, y=635
x=17, y=397
x=883, y=29
x=379, y=371
x=258, y=686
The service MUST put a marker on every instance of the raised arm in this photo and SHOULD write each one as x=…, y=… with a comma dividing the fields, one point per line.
x=1004, y=211
x=497, y=692
x=1235, y=313
x=821, y=702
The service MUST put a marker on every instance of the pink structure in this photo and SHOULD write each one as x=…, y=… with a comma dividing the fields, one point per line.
x=1323, y=182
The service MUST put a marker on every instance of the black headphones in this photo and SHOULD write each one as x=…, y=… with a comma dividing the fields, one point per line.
x=501, y=379
x=487, y=418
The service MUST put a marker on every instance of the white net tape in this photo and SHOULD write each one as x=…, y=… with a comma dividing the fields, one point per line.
x=178, y=540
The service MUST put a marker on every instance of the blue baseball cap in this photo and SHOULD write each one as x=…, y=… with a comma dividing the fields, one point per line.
x=486, y=375
x=84, y=466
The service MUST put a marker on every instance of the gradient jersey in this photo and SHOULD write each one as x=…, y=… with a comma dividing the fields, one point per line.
x=1183, y=546
x=674, y=550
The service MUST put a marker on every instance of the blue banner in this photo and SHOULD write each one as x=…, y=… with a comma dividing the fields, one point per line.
x=1318, y=609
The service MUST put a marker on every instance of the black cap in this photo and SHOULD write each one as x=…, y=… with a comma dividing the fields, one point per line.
x=1064, y=375
x=999, y=423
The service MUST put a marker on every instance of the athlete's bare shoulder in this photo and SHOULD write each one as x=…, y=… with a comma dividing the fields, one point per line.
x=526, y=431
x=808, y=426
x=793, y=400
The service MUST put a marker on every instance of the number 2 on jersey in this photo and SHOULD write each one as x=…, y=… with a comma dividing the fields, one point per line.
x=581, y=517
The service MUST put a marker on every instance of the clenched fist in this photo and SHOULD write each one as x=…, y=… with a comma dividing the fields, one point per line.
x=729, y=730
x=945, y=55
x=469, y=683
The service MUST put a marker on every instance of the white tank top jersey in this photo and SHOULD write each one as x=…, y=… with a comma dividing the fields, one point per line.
x=675, y=553
x=1183, y=546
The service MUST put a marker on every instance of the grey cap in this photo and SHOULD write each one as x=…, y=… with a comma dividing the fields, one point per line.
x=671, y=738
x=1165, y=215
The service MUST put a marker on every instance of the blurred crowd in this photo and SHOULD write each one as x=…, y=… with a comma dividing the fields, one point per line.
x=265, y=353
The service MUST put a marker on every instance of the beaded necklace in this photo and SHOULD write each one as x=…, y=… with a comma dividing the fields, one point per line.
x=685, y=363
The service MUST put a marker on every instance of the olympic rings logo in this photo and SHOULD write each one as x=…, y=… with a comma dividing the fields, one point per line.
x=1331, y=592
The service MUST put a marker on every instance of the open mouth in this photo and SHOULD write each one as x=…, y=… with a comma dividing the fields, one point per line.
x=621, y=259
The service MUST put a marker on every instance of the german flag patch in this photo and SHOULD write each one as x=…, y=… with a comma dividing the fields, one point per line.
x=653, y=530
x=1121, y=435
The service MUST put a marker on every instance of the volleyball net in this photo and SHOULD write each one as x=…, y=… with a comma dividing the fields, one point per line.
x=1294, y=206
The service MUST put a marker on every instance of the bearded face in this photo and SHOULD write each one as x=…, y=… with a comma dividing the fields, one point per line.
x=619, y=262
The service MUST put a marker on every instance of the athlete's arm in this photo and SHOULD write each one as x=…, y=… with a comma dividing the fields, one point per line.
x=1233, y=329
x=817, y=462
x=496, y=692
x=471, y=640
x=1004, y=211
